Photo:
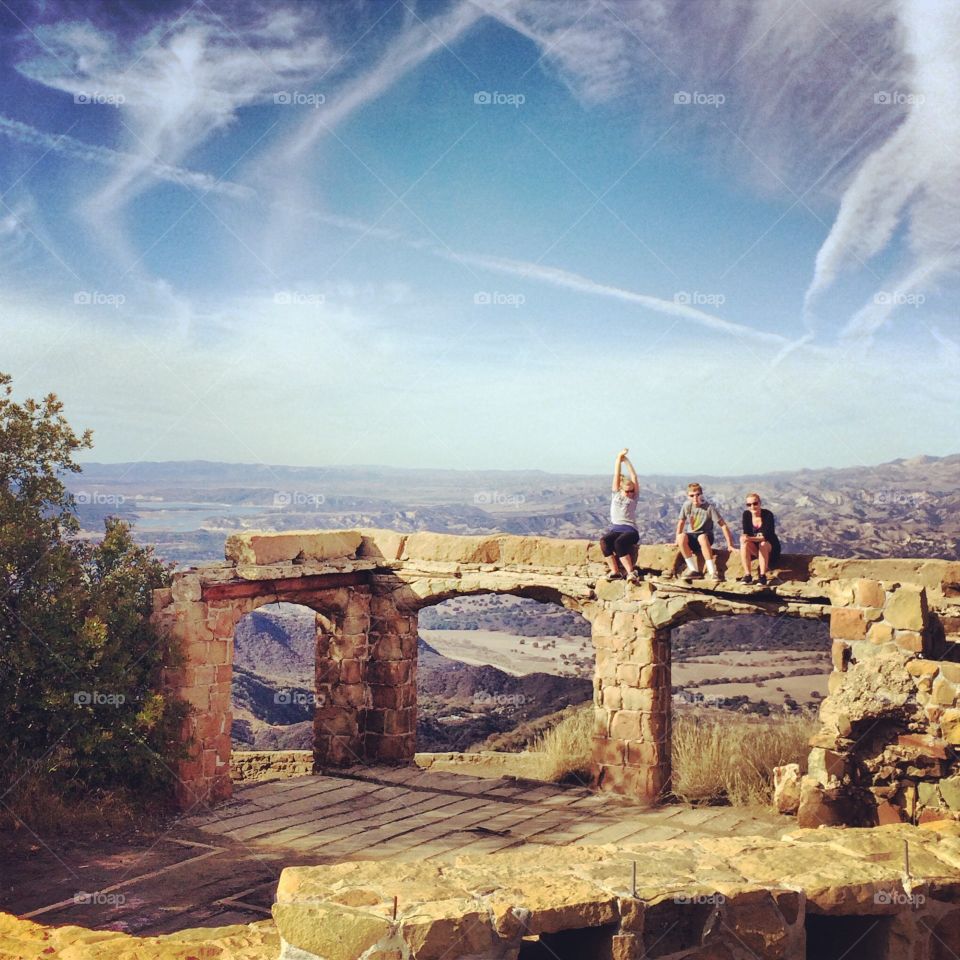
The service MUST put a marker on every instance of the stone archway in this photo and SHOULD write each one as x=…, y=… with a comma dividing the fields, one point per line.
x=367, y=586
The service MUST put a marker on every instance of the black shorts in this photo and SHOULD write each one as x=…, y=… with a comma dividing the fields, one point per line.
x=619, y=542
x=693, y=541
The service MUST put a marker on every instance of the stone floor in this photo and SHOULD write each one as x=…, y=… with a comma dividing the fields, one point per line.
x=222, y=867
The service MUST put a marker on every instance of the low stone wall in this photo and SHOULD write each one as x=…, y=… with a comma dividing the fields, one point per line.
x=256, y=765
x=735, y=898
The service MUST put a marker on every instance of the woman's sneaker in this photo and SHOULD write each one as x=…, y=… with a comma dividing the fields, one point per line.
x=633, y=576
x=746, y=579
x=762, y=579
x=610, y=575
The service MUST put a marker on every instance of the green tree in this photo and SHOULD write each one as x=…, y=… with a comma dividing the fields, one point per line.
x=80, y=662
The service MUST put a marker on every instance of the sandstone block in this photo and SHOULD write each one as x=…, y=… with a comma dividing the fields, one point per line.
x=826, y=765
x=258, y=548
x=786, y=788
x=950, y=791
x=840, y=655
x=329, y=930
x=869, y=593
x=944, y=692
x=185, y=588
x=950, y=726
x=637, y=700
x=847, y=623
x=950, y=671
x=924, y=745
x=909, y=640
x=880, y=633
x=817, y=807
x=626, y=725
x=907, y=608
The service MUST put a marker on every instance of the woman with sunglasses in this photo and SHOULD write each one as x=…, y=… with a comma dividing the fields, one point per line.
x=759, y=540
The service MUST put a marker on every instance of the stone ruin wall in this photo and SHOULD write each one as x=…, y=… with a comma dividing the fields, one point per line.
x=890, y=736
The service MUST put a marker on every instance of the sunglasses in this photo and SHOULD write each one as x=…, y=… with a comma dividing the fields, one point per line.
x=753, y=503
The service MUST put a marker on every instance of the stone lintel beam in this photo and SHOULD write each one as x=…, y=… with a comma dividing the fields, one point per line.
x=288, y=587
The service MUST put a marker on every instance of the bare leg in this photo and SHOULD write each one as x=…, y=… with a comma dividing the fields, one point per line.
x=747, y=548
x=684, y=545
x=612, y=564
x=705, y=547
x=764, y=562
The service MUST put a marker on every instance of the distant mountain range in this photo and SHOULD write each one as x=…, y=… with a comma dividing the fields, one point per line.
x=905, y=508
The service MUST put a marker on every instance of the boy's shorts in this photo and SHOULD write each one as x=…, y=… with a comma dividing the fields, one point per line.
x=695, y=543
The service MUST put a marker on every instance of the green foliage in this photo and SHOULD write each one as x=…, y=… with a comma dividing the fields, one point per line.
x=80, y=662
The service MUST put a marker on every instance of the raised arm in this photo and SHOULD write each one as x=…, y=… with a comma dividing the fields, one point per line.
x=633, y=473
x=621, y=456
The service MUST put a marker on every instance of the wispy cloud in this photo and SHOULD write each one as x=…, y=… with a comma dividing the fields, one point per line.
x=68, y=146
x=911, y=178
x=536, y=272
x=179, y=83
x=572, y=281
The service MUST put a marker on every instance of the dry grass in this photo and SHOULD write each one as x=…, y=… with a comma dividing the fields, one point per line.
x=714, y=760
x=34, y=809
x=563, y=752
x=732, y=760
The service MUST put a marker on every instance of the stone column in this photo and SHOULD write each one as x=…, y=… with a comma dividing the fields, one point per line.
x=390, y=719
x=342, y=653
x=205, y=635
x=632, y=702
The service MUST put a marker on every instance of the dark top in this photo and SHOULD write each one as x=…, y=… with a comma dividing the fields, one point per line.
x=767, y=528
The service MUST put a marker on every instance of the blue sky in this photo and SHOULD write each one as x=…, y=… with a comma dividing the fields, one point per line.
x=486, y=233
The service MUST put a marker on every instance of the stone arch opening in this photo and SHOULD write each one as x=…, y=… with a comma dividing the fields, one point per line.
x=758, y=663
x=494, y=665
x=274, y=678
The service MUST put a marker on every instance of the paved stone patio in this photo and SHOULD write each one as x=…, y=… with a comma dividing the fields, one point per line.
x=222, y=867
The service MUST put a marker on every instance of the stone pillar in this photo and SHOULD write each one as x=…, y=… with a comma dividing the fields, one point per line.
x=342, y=653
x=632, y=702
x=390, y=719
x=205, y=635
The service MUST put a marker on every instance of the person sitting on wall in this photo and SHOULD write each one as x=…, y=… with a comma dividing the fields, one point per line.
x=759, y=540
x=618, y=542
x=699, y=539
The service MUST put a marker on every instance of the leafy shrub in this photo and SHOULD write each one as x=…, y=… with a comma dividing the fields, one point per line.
x=80, y=662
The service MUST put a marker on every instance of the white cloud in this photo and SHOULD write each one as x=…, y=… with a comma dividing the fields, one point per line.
x=913, y=177
x=181, y=82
